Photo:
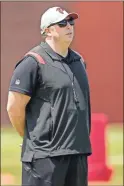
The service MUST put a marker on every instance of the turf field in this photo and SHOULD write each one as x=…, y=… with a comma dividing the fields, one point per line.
x=10, y=154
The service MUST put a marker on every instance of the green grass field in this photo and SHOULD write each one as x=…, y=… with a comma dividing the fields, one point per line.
x=10, y=154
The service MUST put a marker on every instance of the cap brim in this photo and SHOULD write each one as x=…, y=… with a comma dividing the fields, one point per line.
x=73, y=15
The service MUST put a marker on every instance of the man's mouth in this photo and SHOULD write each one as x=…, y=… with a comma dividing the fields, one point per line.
x=70, y=33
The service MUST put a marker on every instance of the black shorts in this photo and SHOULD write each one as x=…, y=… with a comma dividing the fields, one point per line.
x=69, y=170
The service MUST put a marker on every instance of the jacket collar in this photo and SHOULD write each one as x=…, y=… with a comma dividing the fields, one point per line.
x=56, y=57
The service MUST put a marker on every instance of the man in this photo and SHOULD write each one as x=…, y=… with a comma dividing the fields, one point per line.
x=49, y=105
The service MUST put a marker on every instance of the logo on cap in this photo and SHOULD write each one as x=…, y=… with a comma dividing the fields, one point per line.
x=60, y=10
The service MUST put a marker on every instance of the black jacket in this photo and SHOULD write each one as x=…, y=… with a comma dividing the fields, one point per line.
x=58, y=116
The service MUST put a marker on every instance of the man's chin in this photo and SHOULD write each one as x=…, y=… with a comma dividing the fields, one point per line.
x=68, y=41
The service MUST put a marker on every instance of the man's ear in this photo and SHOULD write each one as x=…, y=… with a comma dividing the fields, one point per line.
x=47, y=32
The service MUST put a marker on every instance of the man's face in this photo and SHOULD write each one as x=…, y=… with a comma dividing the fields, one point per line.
x=63, y=31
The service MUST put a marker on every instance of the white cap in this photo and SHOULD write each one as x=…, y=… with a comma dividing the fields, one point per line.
x=54, y=15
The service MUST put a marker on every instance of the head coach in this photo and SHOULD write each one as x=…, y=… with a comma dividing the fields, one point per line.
x=49, y=106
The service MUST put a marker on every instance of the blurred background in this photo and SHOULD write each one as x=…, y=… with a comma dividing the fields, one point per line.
x=99, y=39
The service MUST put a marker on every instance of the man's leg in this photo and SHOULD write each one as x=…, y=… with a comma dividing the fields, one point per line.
x=78, y=171
x=45, y=172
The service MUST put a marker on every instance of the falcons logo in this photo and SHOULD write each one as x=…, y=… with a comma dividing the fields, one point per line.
x=60, y=10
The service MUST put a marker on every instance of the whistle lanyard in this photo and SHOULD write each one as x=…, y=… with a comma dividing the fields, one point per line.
x=72, y=83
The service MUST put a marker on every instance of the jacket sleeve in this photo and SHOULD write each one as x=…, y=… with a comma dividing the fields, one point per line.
x=24, y=77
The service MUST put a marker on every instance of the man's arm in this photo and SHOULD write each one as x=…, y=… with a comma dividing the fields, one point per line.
x=16, y=106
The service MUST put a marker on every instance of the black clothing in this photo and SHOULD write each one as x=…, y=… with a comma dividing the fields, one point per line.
x=70, y=170
x=58, y=118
